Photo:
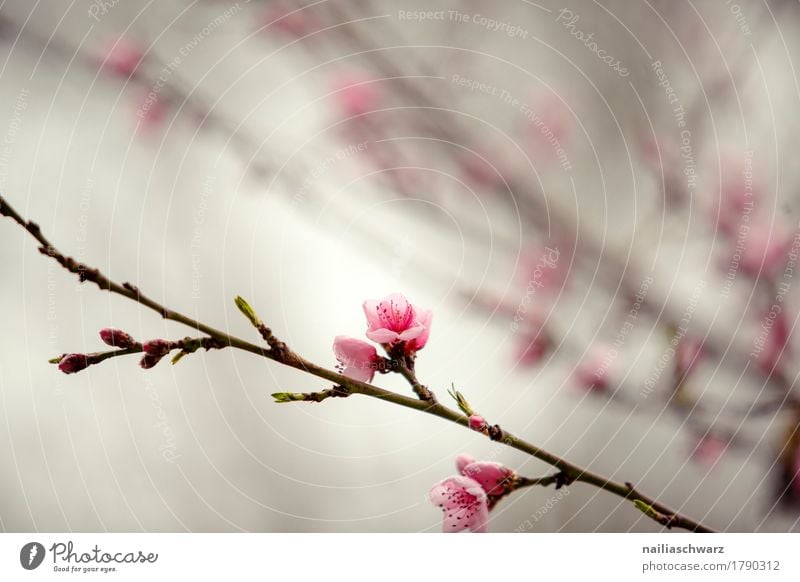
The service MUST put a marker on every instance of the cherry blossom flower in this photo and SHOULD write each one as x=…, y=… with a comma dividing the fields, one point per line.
x=493, y=477
x=464, y=504
x=393, y=319
x=358, y=359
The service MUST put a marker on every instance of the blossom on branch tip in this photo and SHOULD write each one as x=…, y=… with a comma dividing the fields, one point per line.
x=72, y=363
x=393, y=319
x=358, y=359
x=116, y=338
x=464, y=504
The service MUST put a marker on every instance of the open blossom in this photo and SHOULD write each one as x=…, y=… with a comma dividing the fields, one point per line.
x=393, y=319
x=466, y=499
x=358, y=359
x=464, y=504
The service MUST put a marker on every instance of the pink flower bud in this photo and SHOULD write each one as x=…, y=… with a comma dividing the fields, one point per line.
x=477, y=422
x=116, y=338
x=149, y=361
x=72, y=363
x=157, y=347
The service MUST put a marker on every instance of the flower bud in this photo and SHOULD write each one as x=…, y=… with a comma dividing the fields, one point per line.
x=116, y=338
x=157, y=347
x=72, y=363
x=477, y=422
x=149, y=361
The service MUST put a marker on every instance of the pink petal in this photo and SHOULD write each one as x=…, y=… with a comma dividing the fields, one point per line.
x=462, y=461
x=383, y=336
x=463, y=502
x=411, y=333
x=360, y=373
x=371, y=308
x=490, y=475
x=425, y=316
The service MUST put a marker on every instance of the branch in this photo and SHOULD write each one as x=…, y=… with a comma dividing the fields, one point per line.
x=277, y=351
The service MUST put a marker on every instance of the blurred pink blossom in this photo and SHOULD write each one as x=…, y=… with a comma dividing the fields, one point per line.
x=121, y=56
x=765, y=247
x=356, y=93
x=291, y=23
x=591, y=374
x=709, y=450
x=687, y=355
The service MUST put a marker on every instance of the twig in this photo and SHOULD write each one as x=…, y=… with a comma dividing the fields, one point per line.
x=278, y=352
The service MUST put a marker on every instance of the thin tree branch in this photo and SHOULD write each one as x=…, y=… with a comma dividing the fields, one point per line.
x=278, y=352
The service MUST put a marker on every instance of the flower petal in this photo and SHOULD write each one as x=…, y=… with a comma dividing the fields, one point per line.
x=383, y=336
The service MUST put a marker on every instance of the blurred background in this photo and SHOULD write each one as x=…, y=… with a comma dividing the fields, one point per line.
x=599, y=201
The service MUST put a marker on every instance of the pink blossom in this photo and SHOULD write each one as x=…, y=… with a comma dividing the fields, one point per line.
x=116, y=338
x=493, y=477
x=356, y=93
x=152, y=110
x=292, y=23
x=776, y=345
x=553, y=121
x=543, y=271
x=736, y=196
x=464, y=504
x=688, y=354
x=358, y=359
x=533, y=344
x=393, y=319
x=766, y=246
x=72, y=363
x=122, y=56
x=592, y=372
x=709, y=450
